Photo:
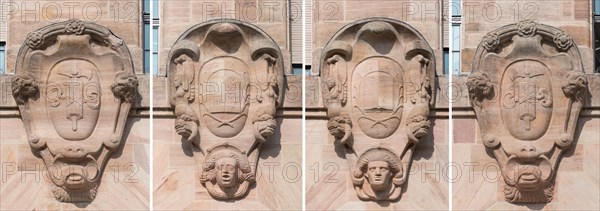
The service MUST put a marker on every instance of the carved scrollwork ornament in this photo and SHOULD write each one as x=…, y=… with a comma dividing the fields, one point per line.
x=72, y=119
x=226, y=83
x=363, y=62
x=530, y=118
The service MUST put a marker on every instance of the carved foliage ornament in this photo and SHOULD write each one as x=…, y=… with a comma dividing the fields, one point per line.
x=74, y=88
x=374, y=70
x=226, y=83
x=527, y=88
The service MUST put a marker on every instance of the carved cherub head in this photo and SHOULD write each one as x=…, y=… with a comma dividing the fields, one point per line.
x=125, y=86
x=380, y=167
x=575, y=84
x=24, y=86
x=479, y=86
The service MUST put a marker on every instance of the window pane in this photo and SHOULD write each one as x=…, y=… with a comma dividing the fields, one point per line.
x=597, y=45
x=146, y=5
x=155, y=9
x=146, y=61
x=155, y=38
x=155, y=63
x=455, y=37
x=455, y=62
x=446, y=62
x=297, y=70
x=597, y=6
x=455, y=8
x=146, y=36
x=2, y=57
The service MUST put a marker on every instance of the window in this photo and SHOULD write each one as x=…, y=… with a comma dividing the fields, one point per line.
x=155, y=49
x=446, y=60
x=150, y=46
x=597, y=35
x=454, y=57
x=146, y=47
x=455, y=8
x=297, y=69
x=2, y=58
x=455, y=48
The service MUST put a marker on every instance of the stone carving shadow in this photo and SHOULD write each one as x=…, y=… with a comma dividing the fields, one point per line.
x=536, y=206
x=274, y=143
x=424, y=150
x=186, y=146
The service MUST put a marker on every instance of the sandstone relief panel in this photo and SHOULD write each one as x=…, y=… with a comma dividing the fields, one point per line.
x=74, y=87
x=226, y=80
x=527, y=88
x=378, y=75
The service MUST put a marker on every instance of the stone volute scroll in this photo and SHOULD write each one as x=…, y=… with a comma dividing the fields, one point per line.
x=527, y=88
x=74, y=87
x=378, y=76
x=226, y=80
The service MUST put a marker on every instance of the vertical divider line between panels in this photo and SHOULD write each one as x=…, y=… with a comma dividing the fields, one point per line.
x=151, y=105
x=303, y=13
x=450, y=102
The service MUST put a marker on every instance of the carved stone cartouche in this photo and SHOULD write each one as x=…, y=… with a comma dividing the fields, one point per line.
x=373, y=71
x=226, y=80
x=527, y=88
x=74, y=87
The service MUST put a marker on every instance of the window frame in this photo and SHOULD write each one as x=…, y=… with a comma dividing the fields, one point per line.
x=596, y=35
x=2, y=58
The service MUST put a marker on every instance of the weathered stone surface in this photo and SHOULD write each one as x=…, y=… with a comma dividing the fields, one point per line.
x=527, y=89
x=226, y=81
x=74, y=86
x=373, y=71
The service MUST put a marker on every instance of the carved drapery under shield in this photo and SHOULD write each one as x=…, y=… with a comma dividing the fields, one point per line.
x=527, y=88
x=378, y=76
x=226, y=80
x=74, y=87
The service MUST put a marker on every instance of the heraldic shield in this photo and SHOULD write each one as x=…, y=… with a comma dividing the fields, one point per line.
x=527, y=88
x=226, y=79
x=74, y=87
x=376, y=71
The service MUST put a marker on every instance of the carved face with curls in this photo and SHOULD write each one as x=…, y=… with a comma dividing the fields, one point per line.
x=379, y=167
x=227, y=169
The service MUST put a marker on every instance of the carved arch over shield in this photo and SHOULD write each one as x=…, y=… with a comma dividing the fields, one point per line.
x=74, y=87
x=527, y=88
x=378, y=77
x=226, y=83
